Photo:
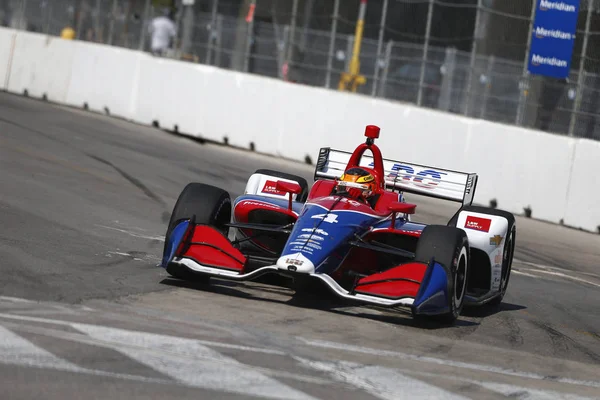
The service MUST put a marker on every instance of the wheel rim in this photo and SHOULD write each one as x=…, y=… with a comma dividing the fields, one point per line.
x=460, y=280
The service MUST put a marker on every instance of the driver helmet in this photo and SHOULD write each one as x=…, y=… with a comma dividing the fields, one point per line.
x=358, y=182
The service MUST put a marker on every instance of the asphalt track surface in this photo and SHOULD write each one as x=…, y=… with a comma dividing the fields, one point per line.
x=86, y=313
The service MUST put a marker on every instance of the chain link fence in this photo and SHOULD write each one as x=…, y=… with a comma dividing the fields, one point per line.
x=465, y=57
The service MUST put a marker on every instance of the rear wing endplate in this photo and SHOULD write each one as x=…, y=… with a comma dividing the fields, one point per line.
x=405, y=177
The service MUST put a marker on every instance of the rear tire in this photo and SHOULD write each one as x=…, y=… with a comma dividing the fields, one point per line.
x=303, y=195
x=209, y=204
x=450, y=247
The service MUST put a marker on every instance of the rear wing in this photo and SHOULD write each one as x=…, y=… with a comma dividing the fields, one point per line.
x=405, y=177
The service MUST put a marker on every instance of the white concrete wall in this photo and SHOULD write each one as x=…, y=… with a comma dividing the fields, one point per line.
x=6, y=43
x=583, y=201
x=553, y=175
x=103, y=77
x=41, y=65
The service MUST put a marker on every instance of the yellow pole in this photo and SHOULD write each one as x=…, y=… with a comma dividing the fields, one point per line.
x=353, y=77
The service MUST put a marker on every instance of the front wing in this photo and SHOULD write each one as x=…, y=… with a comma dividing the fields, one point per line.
x=204, y=251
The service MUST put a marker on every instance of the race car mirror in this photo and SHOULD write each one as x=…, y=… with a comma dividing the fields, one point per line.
x=405, y=208
x=398, y=207
x=289, y=187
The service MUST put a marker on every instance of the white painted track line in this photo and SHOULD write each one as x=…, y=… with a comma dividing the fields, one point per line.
x=381, y=382
x=204, y=368
x=439, y=361
x=16, y=350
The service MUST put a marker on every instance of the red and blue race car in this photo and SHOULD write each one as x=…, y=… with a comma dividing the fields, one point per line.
x=352, y=232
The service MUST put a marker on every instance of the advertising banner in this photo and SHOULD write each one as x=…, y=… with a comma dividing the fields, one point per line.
x=553, y=37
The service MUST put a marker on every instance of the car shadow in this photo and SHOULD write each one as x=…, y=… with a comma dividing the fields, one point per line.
x=489, y=310
x=322, y=300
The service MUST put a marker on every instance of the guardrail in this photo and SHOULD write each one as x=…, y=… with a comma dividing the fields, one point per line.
x=551, y=175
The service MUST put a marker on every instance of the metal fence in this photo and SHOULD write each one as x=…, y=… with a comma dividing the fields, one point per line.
x=466, y=57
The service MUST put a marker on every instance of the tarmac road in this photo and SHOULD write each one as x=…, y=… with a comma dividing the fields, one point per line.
x=85, y=311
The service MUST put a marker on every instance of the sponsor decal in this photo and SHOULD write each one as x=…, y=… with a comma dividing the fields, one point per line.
x=293, y=261
x=478, y=224
x=426, y=179
x=496, y=240
x=350, y=201
x=258, y=203
x=271, y=188
x=314, y=230
x=497, y=274
x=305, y=237
x=541, y=33
x=302, y=249
x=409, y=232
x=498, y=258
x=546, y=5
x=552, y=61
x=329, y=218
x=304, y=241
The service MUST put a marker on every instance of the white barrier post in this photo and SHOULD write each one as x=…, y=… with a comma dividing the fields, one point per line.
x=336, y=11
x=212, y=33
x=144, y=25
x=250, y=34
x=111, y=26
x=525, y=76
x=468, y=97
x=386, y=68
x=379, y=46
x=580, y=76
x=425, y=52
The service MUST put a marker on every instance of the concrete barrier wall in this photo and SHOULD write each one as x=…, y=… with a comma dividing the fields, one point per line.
x=583, y=201
x=104, y=77
x=7, y=37
x=552, y=175
x=41, y=65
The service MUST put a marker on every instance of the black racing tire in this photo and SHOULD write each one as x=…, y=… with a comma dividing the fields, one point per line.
x=301, y=181
x=509, y=245
x=209, y=204
x=449, y=246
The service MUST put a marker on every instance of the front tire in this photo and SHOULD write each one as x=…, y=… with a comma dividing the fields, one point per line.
x=209, y=204
x=450, y=247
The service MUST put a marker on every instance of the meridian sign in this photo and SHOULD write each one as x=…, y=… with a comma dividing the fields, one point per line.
x=553, y=37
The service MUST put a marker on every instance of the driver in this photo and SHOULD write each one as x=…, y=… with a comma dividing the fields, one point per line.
x=357, y=183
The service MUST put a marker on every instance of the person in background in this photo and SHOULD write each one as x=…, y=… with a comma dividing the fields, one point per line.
x=163, y=32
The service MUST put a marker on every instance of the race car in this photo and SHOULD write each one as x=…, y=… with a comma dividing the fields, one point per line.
x=351, y=232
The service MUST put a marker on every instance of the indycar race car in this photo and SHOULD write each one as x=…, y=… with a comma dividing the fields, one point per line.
x=351, y=232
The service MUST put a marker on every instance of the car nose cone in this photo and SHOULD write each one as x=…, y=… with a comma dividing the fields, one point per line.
x=296, y=263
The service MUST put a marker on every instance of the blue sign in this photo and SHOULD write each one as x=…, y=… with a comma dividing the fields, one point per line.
x=553, y=37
